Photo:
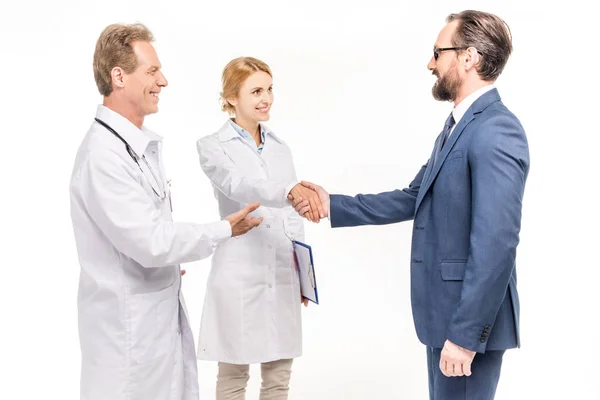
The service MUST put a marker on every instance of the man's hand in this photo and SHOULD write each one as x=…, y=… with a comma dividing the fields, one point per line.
x=241, y=222
x=315, y=212
x=302, y=206
x=456, y=360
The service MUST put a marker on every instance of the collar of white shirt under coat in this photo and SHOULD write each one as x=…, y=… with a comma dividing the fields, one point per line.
x=228, y=132
x=459, y=111
x=135, y=137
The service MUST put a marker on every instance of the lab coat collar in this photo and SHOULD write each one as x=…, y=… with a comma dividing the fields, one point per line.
x=137, y=138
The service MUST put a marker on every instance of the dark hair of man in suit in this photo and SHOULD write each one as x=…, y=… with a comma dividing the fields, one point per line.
x=489, y=34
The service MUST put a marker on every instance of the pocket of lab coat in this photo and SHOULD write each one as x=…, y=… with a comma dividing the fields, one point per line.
x=153, y=318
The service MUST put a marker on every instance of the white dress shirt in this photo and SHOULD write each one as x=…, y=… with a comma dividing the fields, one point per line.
x=459, y=111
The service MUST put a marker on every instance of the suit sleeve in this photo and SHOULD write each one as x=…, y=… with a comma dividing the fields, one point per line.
x=376, y=209
x=499, y=163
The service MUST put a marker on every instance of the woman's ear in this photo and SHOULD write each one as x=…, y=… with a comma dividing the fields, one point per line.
x=232, y=101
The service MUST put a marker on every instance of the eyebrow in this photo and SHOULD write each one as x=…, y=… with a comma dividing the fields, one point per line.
x=258, y=87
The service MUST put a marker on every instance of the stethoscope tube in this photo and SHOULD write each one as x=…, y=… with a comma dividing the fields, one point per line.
x=127, y=146
x=134, y=157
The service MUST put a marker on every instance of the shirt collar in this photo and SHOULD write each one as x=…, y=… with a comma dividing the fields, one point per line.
x=459, y=111
x=135, y=137
x=245, y=134
x=228, y=131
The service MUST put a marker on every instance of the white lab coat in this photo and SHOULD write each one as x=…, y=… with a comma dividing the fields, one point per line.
x=252, y=306
x=136, y=342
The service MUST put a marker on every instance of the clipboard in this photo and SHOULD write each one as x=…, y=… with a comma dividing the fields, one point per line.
x=306, y=271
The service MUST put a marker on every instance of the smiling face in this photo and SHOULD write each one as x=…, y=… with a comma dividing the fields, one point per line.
x=254, y=100
x=142, y=87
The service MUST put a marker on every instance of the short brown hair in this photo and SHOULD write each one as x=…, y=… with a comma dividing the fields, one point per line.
x=234, y=75
x=491, y=37
x=114, y=49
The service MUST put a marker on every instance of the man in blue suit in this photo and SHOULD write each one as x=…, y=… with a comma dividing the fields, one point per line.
x=466, y=205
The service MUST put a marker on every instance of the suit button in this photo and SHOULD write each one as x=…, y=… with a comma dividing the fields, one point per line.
x=482, y=340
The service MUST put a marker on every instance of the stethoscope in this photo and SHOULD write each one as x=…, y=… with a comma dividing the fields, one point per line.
x=163, y=194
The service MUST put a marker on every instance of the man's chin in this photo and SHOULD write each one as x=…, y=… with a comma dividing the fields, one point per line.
x=151, y=110
x=439, y=95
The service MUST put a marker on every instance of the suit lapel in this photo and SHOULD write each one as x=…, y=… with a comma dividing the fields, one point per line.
x=432, y=170
x=430, y=163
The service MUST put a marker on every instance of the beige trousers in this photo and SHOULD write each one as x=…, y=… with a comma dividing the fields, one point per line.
x=232, y=380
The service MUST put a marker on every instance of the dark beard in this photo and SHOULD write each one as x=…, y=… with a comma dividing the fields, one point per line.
x=446, y=87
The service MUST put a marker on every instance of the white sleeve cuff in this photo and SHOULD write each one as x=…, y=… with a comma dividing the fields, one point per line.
x=222, y=232
x=288, y=189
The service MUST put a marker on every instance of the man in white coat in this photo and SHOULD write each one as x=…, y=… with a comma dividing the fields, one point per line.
x=135, y=338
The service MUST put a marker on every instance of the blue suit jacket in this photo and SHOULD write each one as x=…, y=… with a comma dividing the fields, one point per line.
x=467, y=217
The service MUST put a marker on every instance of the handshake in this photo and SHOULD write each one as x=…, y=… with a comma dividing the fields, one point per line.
x=310, y=201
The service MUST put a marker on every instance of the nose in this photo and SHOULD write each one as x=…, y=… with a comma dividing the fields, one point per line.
x=162, y=80
x=266, y=97
x=431, y=64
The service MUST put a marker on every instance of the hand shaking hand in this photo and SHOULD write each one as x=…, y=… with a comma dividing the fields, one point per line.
x=316, y=206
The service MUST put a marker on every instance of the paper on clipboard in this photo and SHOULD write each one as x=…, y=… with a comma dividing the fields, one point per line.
x=306, y=271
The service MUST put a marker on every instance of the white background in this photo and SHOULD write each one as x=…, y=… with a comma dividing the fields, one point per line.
x=353, y=102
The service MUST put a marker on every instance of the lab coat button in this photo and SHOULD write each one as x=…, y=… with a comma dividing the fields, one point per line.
x=270, y=286
x=268, y=226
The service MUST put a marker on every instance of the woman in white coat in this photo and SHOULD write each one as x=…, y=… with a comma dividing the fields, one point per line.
x=252, y=307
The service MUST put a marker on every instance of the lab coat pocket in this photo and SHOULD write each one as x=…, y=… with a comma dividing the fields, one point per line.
x=153, y=318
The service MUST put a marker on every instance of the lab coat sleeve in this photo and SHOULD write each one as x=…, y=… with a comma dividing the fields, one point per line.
x=294, y=221
x=232, y=182
x=128, y=217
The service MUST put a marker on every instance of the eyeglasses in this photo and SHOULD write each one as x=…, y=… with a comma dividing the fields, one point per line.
x=436, y=52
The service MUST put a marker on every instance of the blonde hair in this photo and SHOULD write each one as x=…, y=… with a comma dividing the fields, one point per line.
x=114, y=49
x=235, y=74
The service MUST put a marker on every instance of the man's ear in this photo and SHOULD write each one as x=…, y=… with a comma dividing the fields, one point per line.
x=117, y=77
x=472, y=58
